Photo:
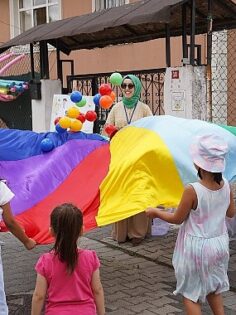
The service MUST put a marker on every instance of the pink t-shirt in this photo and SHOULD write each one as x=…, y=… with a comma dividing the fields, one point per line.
x=69, y=294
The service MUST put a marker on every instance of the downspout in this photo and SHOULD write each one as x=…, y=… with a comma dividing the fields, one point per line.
x=209, y=58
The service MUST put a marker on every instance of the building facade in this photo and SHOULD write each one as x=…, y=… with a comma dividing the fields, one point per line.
x=16, y=16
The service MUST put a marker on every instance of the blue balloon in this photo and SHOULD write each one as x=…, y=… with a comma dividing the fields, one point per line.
x=76, y=97
x=96, y=99
x=59, y=129
x=46, y=145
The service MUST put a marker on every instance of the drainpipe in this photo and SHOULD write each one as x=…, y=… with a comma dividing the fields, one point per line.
x=209, y=57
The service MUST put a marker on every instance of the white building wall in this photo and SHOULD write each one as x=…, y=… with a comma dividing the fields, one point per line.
x=42, y=109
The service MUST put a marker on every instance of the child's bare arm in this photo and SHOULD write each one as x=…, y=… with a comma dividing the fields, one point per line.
x=39, y=295
x=186, y=204
x=15, y=228
x=98, y=292
x=231, y=210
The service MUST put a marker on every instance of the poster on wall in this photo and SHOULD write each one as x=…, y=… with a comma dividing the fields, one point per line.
x=178, y=92
x=60, y=105
x=178, y=100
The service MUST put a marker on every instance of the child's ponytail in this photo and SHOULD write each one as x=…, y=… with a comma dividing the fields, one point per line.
x=217, y=177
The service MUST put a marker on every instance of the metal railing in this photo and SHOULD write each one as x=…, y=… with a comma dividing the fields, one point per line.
x=152, y=90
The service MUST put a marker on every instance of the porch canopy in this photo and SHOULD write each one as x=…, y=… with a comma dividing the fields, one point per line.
x=136, y=22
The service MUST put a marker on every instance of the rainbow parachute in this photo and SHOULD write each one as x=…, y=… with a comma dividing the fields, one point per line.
x=145, y=164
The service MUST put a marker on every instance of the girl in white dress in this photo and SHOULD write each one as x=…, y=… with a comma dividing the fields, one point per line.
x=201, y=252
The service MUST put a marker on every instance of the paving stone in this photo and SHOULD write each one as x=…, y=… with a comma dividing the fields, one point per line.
x=136, y=280
x=140, y=307
x=146, y=312
x=167, y=309
x=163, y=301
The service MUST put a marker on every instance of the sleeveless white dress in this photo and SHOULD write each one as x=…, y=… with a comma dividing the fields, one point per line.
x=201, y=252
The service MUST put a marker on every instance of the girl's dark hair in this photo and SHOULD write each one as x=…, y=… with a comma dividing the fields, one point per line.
x=199, y=174
x=67, y=223
x=217, y=177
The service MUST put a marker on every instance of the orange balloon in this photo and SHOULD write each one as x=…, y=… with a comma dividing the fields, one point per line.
x=105, y=101
x=113, y=96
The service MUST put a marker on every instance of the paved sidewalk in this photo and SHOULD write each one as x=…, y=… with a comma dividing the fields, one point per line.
x=137, y=280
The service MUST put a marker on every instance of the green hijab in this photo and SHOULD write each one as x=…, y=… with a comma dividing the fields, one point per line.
x=132, y=101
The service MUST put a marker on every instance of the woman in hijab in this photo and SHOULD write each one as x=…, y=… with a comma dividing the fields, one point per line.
x=130, y=108
x=122, y=114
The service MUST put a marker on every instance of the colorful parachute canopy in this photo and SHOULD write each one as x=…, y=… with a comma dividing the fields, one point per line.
x=146, y=164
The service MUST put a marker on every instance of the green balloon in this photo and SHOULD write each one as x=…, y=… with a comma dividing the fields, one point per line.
x=116, y=78
x=81, y=103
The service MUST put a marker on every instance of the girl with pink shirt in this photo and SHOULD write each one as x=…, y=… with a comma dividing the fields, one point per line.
x=201, y=252
x=68, y=277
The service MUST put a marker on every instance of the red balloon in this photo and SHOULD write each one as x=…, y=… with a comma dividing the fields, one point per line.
x=56, y=120
x=81, y=117
x=109, y=129
x=105, y=101
x=113, y=133
x=91, y=115
x=105, y=89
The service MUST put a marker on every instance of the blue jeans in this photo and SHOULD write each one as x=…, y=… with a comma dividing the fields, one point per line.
x=3, y=302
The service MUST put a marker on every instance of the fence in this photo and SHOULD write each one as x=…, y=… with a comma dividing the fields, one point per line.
x=17, y=114
x=224, y=77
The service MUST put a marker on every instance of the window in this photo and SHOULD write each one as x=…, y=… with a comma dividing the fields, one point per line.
x=106, y=4
x=36, y=12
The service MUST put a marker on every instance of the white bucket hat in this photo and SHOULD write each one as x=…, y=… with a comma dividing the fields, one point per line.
x=208, y=152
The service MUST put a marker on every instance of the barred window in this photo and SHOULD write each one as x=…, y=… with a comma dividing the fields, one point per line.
x=106, y=4
x=36, y=12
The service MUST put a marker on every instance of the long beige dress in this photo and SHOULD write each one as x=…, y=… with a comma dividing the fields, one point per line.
x=138, y=226
x=118, y=118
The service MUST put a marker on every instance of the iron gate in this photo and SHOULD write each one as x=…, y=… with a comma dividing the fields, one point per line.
x=152, y=90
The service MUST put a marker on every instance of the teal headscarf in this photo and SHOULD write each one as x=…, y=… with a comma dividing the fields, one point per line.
x=132, y=101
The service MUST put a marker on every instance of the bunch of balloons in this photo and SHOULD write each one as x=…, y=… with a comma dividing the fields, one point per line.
x=74, y=119
x=106, y=96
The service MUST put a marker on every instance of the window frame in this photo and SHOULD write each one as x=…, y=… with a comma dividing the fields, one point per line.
x=15, y=28
x=94, y=4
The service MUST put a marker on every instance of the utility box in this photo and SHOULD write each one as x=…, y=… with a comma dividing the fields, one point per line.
x=35, y=90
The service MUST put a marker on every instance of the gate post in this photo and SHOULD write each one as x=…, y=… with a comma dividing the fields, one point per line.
x=96, y=125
